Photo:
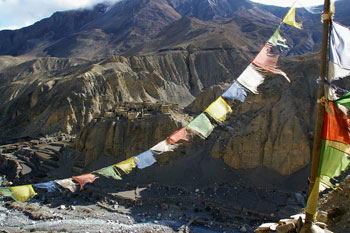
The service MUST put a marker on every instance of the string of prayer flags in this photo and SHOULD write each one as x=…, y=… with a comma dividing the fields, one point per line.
x=201, y=125
x=336, y=137
x=84, y=179
x=22, y=193
x=163, y=146
x=67, y=184
x=235, y=92
x=277, y=40
x=339, y=45
x=289, y=18
x=268, y=61
x=251, y=78
x=218, y=109
x=109, y=171
x=49, y=186
x=5, y=192
x=127, y=165
x=145, y=159
x=181, y=134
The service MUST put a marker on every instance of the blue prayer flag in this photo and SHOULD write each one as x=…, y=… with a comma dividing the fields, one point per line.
x=145, y=159
x=50, y=186
x=236, y=92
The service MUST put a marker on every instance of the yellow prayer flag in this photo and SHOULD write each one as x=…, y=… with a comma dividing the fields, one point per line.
x=312, y=201
x=218, y=109
x=23, y=193
x=290, y=18
x=127, y=165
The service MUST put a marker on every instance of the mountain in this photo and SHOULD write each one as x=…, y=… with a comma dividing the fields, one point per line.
x=108, y=30
x=167, y=52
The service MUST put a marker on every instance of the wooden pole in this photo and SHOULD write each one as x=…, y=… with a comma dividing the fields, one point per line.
x=320, y=109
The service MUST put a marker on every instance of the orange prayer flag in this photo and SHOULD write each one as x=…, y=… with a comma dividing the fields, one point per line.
x=336, y=128
x=181, y=134
x=268, y=61
x=84, y=179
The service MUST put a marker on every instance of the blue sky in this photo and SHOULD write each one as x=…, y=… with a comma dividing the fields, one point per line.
x=15, y=14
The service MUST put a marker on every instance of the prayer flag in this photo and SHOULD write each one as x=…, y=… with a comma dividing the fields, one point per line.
x=333, y=162
x=163, y=146
x=336, y=128
x=335, y=72
x=277, y=40
x=340, y=45
x=344, y=100
x=127, y=165
x=201, y=125
x=67, y=184
x=290, y=18
x=268, y=61
x=181, y=134
x=251, y=78
x=339, y=146
x=145, y=159
x=22, y=193
x=109, y=172
x=235, y=92
x=84, y=179
x=312, y=201
x=218, y=109
x=49, y=186
x=5, y=192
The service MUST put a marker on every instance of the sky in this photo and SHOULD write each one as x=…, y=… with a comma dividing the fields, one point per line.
x=16, y=14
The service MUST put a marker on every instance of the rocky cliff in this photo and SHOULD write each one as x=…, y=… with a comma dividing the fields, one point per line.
x=273, y=129
x=127, y=130
x=47, y=95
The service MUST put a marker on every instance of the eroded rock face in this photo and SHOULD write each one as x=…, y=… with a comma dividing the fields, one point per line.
x=48, y=95
x=122, y=138
x=272, y=129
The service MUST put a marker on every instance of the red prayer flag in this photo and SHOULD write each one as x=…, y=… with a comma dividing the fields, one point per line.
x=336, y=128
x=268, y=61
x=83, y=179
x=180, y=134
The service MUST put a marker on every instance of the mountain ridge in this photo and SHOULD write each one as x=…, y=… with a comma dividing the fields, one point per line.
x=116, y=30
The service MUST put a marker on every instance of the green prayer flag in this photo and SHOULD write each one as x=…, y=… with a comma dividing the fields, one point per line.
x=109, y=172
x=344, y=100
x=5, y=192
x=332, y=162
x=277, y=39
x=201, y=124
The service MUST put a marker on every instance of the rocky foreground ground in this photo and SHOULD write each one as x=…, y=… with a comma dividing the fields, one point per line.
x=207, y=198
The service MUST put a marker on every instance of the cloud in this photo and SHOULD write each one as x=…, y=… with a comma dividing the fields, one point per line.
x=288, y=3
x=20, y=13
